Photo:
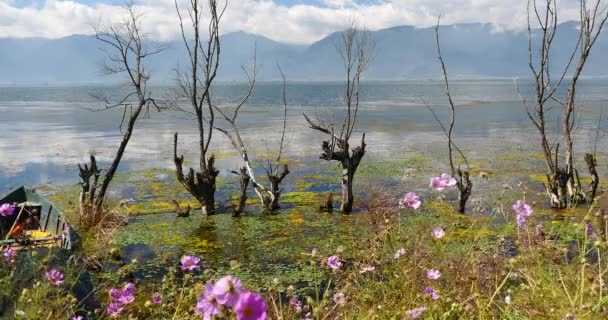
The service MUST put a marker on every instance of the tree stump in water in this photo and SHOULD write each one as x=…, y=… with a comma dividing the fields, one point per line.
x=328, y=205
x=181, y=213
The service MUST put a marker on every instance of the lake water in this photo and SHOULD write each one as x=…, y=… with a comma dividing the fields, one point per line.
x=46, y=131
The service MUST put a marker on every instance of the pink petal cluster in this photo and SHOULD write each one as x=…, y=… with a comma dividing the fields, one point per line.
x=156, y=298
x=119, y=298
x=114, y=309
x=433, y=274
x=55, y=277
x=442, y=182
x=7, y=210
x=438, y=233
x=410, y=200
x=523, y=211
x=399, y=253
x=189, y=263
x=228, y=292
x=9, y=255
x=250, y=306
x=415, y=313
x=432, y=292
x=296, y=303
x=522, y=208
x=334, y=262
x=207, y=305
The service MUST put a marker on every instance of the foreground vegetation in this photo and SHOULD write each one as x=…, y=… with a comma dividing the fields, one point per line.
x=420, y=260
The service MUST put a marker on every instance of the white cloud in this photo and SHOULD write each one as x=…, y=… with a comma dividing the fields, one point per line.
x=300, y=23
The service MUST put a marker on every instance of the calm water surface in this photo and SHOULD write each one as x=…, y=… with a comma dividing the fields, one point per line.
x=45, y=131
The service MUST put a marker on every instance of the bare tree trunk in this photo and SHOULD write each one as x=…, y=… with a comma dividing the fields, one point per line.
x=356, y=51
x=244, y=182
x=595, y=180
x=109, y=175
x=275, y=189
x=348, y=175
x=195, y=86
x=563, y=184
x=465, y=186
x=126, y=55
x=201, y=184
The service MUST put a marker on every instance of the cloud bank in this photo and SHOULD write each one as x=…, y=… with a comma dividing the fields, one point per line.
x=301, y=23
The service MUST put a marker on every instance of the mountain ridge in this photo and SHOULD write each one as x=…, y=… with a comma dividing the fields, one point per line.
x=471, y=51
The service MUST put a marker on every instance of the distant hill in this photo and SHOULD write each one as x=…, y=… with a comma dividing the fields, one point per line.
x=470, y=50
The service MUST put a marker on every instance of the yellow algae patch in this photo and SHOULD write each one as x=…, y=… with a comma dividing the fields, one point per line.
x=441, y=208
x=296, y=218
x=303, y=198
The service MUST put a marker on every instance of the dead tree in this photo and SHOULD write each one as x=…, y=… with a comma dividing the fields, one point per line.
x=126, y=54
x=234, y=135
x=563, y=185
x=356, y=50
x=195, y=87
x=244, y=185
x=275, y=170
x=464, y=184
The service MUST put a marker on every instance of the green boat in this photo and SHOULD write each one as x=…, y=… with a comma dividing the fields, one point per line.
x=35, y=222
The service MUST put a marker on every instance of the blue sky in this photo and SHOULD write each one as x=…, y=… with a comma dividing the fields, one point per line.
x=293, y=21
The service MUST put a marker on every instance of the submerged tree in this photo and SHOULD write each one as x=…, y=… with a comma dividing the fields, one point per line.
x=269, y=198
x=195, y=87
x=276, y=171
x=463, y=181
x=563, y=185
x=356, y=50
x=127, y=53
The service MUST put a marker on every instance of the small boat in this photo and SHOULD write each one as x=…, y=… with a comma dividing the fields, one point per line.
x=35, y=222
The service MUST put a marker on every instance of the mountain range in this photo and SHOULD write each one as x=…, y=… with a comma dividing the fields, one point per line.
x=471, y=51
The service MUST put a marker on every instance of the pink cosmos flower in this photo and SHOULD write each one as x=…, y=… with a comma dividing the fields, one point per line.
x=437, y=184
x=114, y=309
x=410, y=200
x=399, y=253
x=334, y=262
x=189, y=263
x=521, y=221
x=77, y=318
x=433, y=274
x=127, y=295
x=156, y=298
x=415, y=313
x=250, y=306
x=6, y=210
x=448, y=180
x=365, y=269
x=522, y=208
x=339, y=298
x=115, y=294
x=438, y=233
x=54, y=277
x=207, y=305
x=296, y=303
x=430, y=291
x=227, y=290
x=9, y=256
